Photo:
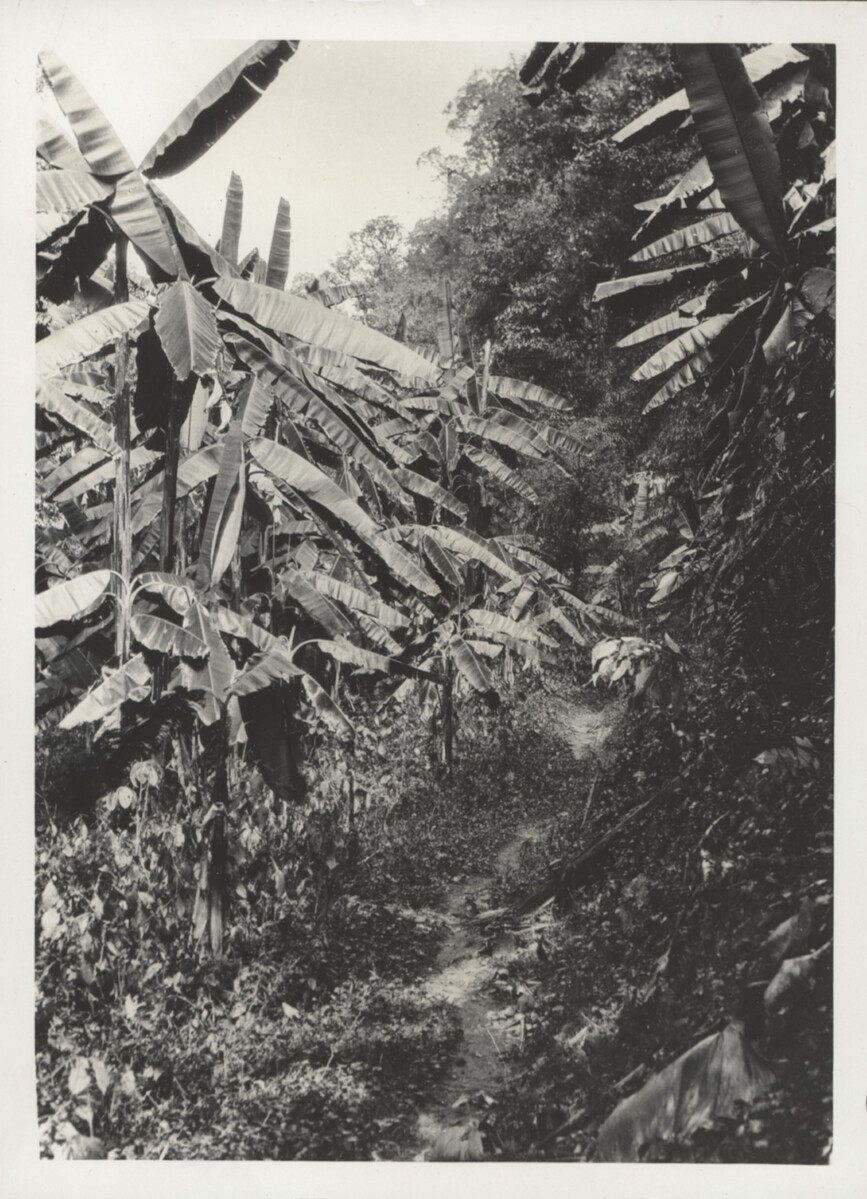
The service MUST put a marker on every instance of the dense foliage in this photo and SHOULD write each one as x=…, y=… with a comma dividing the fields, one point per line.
x=306, y=581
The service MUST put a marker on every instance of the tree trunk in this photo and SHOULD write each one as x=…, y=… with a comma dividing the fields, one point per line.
x=121, y=557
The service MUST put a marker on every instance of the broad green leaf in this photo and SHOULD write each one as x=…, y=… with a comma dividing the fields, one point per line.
x=326, y=708
x=309, y=481
x=524, y=649
x=230, y=529
x=315, y=603
x=56, y=149
x=178, y=591
x=218, y=673
x=688, y=343
x=669, y=323
x=230, y=622
x=419, y=485
x=231, y=235
x=697, y=182
x=133, y=208
x=167, y=638
x=202, y=261
x=692, y=235
x=470, y=545
x=216, y=108
x=79, y=463
x=301, y=399
x=494, y=466
x=264, y=669
x=530, y=393
x=257, y=409
x=520, y=630
x=762, y=66
x=278, y=256
x=68, y=191
x=683, y=275
x=737, y=141
x=311, y=322
x=102, y=472
x=129, y=682
x=52, y=399
x=98, y=142
x=530, y=432
x=353, y=655
x=707, y=1083
x=196, y=421
x=545, y=569
x=443, y=563
x=355, y=599
x=187, y=330
x=87, y=336
x=474, y=671
x=491, y=430
x=74, y=598
x=229, y=475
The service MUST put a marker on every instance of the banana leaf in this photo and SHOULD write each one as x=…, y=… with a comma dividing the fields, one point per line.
x=531, y=393
x=443, y=563
x=53, y=400
x=216, y=676
x=491, y=430
x=235, y=625
x=326, y=708
x=690, y=342
x=187, y=330
x=317, y=605
x=232, y=217
x=474, y=671
x=98, y=142
x=314, y=323
x=472, y=546
x=133, y=208
x=129, y=682
x=356, y=600
x=272, y=666
x=699, y=234
x=737, y=141
x=69, y=190
x=518, y=630
x=72, y=599
x=762, y=67
x=166, y=638
x=88, y=335
x=223, y=517
x=216, y=108
x=56, y=149
x=662, y=325
x=278, y=257
x=494, y=466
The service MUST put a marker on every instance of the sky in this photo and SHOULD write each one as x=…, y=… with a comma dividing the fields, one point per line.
x=339, y=132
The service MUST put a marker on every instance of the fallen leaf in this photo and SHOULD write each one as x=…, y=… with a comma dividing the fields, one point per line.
x=703, y=1084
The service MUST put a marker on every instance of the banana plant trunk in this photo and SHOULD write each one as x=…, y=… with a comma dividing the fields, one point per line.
x=448, y=716
x=122, y=530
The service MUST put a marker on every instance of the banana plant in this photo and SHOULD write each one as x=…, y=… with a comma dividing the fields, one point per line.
x=760, y=207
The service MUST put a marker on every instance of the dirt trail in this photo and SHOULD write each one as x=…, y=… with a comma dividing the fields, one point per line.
x=471, y=972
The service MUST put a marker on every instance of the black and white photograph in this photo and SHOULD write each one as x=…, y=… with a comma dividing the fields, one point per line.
x=439, y=747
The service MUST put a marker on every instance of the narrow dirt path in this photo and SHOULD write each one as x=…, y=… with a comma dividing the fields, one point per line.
x=471, y=973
